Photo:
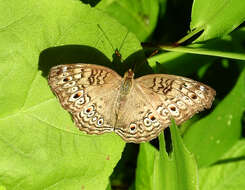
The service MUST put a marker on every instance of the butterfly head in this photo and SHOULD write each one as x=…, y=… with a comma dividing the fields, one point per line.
x=129, y=74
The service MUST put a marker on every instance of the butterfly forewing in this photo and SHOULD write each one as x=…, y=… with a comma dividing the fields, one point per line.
x=176, y=97
x=88, y=92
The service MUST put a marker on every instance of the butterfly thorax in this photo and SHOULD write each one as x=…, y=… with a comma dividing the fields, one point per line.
x=125, y=88
x=127, y=83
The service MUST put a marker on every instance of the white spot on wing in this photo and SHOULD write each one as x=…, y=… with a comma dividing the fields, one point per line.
x=165, y=112
x=73, y=89
x=80, y=101
x=64, y=68
x=181, y=105
x=187, y=100
x=78, y=76
x=64, y=74
x=202, y=88
x=159, y=109
x=69, y=84
x=199, y=93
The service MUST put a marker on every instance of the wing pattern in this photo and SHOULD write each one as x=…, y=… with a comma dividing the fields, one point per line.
x=93, y=95
x=86, y=91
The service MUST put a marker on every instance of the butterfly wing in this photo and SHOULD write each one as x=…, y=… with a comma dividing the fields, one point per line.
x=88, y=92
x=157, y=98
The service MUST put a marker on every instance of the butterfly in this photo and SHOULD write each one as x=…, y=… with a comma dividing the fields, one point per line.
x=101, y=101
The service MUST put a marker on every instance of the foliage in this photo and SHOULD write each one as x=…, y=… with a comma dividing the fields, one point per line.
x=40, y=147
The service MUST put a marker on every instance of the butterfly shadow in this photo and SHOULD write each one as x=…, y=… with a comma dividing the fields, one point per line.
x=135, y=61
x=69, y=54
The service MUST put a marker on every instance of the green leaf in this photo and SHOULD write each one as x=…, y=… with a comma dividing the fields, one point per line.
x=220, y=129
x=228, y=173
x=181, y=164
x=40, y=146
x=2, y=187
x=205, y=51
x=216, y=17
x=140, y=17
x=162, y=7
x=174, y=62
x=108, y=187
x=229, y=46
x=146, y=164
x=157, y=170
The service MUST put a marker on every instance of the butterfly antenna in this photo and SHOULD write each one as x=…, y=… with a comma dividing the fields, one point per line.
x=117, y=51
x=123, y=41
x=134, y=67
x=106, y=37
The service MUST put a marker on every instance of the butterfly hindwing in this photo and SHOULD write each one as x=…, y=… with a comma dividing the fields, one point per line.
x=138, y=121
x=96, y=117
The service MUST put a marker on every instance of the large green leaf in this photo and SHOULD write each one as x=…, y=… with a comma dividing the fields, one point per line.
x=158, y=170
x=40, y=146
x=212, y=136
x=140, y=17
x=228, y=173
x=216, y=17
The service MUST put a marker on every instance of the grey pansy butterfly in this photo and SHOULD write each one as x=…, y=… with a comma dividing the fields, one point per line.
x=138, y=110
